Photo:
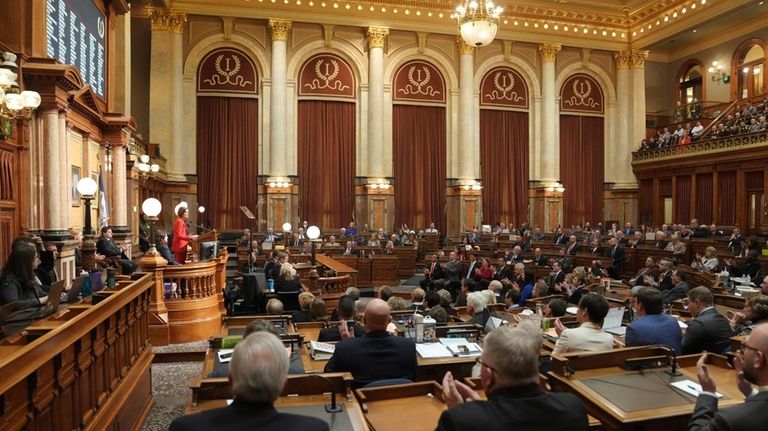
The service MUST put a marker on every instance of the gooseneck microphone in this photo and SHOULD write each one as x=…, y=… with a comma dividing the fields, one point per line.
x=332, y=407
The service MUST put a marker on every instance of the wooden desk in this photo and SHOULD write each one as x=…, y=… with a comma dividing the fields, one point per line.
x=339, y=268
x=606, y=408
x=299, y=391
x=373, y=270
x=410, y=407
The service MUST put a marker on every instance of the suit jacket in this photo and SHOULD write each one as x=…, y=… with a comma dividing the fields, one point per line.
x=709, y=331
x=480, y=318
x=469, y=270
x=503, y=272
x=653, y=272
x=588, y=336
x=453, y=270
x=377, y=355
x=540, y=261
x=181, y=237
x=437, y=273
x=108, y=248
x=677, y=248
x=524, y=408
x=333, y=333
x=572, y=249
x=616, y=254
x=675, y=293
x=653, y=329
x=245, y=416
x=748, y=416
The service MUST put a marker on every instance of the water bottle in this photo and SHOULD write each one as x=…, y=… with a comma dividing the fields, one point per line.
x=429, y=329
x=86, y=284
x=271, y=285
x=418, y=323
x=110, y=278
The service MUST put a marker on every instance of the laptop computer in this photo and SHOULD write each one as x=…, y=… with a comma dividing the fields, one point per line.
x=75, y=290
x=612, y=322
x=50, y=307
x=6, y=310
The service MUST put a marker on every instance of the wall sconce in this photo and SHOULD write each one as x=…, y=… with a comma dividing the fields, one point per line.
x=555, y=188
x=146, y=169
x=475, y=186
x=379, y=184
x=12, y=103
x=717, y=73
x=279, y=183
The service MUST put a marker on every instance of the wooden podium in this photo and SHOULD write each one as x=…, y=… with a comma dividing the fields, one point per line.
x=203, y=237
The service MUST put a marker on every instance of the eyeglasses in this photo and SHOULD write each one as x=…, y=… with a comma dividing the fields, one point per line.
x=479, y=361
x=745, y=347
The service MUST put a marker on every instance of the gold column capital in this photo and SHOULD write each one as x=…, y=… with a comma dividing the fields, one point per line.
x=176, y=21
x=638, y=57
x=549, y=51
x=159, y=17
x=377, y=36
x=623, y=59
x=278, y=28
x=464, y=47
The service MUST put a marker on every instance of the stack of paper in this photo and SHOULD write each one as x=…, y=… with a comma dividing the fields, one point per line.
x=432, y=350
x=690, y=387
x=461, y=347
x=321, y=351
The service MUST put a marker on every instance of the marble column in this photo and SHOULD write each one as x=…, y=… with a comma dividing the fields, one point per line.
x=182, y=163
x=122, y=69
x=65, y=194
x=119, y=186
x=278, y=162
x=467, y=148
x=377, y=37
x=622, y=149
x=550, y=154
x=51, y=173
x=637, y=65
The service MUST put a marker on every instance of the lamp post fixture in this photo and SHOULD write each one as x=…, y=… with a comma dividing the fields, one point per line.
x=151, y=208
x=286, y=231
x=86, y=188
x=313, y=233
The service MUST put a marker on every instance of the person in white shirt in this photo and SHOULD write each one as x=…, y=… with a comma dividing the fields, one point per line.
x=708, y=262
x=432, y=229
x=696, y=131
x=590, y=335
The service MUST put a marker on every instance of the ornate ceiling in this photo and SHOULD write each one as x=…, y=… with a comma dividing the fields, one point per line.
x=606, y=24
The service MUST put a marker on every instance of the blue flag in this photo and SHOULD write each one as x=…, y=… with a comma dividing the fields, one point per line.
x=103, y=207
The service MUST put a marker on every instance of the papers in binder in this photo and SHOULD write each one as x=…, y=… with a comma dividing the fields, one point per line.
x=321, y=351
x=433, y=350
x=225, y=355
x=461, y=347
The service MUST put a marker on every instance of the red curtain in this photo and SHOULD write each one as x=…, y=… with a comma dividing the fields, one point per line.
x=727, y=198
x=418, y=140
x=581, y=168
x=504, y=163
x=326, y=162
x=682, y=202
x=227, y=159
x=704, y=198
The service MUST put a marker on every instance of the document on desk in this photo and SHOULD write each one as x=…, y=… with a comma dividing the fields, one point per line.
x=682, y=324
x=225, y=355
x=433, y=350
x=461, y=347
x=572, y=310
x=691, y=388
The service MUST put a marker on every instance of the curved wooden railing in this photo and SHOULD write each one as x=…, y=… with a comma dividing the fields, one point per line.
x=193, y=280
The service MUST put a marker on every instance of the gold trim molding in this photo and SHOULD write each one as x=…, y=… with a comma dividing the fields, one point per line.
x=377, y=36
x=638, y=57
x=166, y=19
x=279, y=28
x=623, y=59
x=549, y=51
x=464, y=47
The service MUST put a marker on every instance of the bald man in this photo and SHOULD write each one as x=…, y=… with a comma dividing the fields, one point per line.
x=751, y=364
x=377, y=355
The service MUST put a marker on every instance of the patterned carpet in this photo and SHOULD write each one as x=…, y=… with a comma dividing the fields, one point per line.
x=169, y=386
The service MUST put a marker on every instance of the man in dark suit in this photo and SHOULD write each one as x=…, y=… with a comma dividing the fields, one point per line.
x=432, y=272
x=504, y=270
x=558, y=275
x=629, y=230
x=709, y=330
x=539, y=259
x=258, y=371
x=616, y=253
x=735, y=242
x=664, y=280
x=651, y=269
x=652, y=327
x=106, y=246
x=509, y=367
x=516, y=255
x=680, y=289
x=472, y=265
x=750, y=365
x=573, y=246
x=377, y=355
x=451, y=276
x=560, y=239
x=346, y=311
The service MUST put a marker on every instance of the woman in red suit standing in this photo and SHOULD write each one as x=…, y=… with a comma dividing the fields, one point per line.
x=181, y=236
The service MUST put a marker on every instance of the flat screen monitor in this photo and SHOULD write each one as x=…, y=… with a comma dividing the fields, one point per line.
x=209, y=250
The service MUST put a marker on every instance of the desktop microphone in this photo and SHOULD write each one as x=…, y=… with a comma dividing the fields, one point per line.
x=207, y=229
x=673, y=372
x=332, y=407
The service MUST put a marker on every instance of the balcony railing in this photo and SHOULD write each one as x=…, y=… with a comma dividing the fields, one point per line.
x=709, y=146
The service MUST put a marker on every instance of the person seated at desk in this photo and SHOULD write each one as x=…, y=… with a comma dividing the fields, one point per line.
x=432, y=230
x=274, y=307
x=664, y=280
x=434, y=309
x=318, y=310
x=161, y=245
x=106, y=246
x=346, y=311
x=555, y=308
x=652, y=327
x=417, y=299
x=509, y=373
x=709, y=330
x=525, y=288
x=377, y=355
x=270, y=236
x=288, y=286
x=751, y=369
x=258, y=371
x=303, y=314
x=750, y=268
x=651, y=269
x=374, y=241
x=468, y=285
x=397, y=303
x=708, y=262
x=331, y=242
x=538, y=258
x=676, y=246
x=253, y=252
x=755, y=312
x=590, y=335
x=18, y=282
x=476, y=307
x=680, y=289
x=445, y=301
x=432, y=273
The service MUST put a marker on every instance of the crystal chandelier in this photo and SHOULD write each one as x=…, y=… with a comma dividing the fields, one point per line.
x=478, y=21
x=13, y=103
